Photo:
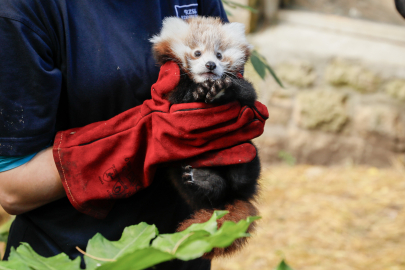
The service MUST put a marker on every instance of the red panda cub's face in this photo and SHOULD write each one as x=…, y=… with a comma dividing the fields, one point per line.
x=204, y=47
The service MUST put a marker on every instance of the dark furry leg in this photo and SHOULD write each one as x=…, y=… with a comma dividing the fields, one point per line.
x=232, y=188
x=244, y=91
x=214, y=187
x=200, y=187
x=243, y=178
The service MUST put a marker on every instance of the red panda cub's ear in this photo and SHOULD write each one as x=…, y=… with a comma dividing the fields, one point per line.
x=236, y=32
x=169, y=44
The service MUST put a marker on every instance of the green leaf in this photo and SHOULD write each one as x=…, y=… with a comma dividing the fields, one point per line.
x=4, y=230
x=260, y=64
x=203, y=238
x=283, y=266
x=228, y=13
x=193, y=249
x=184, y=245
x=13, y=265
x=232, y=4
x=170, y=242
x=133, y=237
x=134, y=251
x=273, y=74
x=26, y=255
x=140, y=259
x=209, y=226
x=231, y=231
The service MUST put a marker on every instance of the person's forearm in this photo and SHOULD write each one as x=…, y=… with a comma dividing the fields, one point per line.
x=31, y=185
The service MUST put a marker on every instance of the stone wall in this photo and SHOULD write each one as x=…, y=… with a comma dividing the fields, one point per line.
x=343, y=101
x=344, y=95
x=343, y=114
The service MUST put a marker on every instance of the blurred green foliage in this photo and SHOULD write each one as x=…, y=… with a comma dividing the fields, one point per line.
x=5, y=229
x=283, y=266
x=140, y=247
x=287, y=158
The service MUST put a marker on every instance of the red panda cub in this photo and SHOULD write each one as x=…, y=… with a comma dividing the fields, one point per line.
x=211, y=56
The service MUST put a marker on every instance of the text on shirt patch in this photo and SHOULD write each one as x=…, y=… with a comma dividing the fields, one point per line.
x=186, y=11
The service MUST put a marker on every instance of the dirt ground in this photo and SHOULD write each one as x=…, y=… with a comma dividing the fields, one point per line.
x=321, y=218
x=327, y=218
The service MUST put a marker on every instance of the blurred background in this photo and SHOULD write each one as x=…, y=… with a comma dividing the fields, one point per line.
x=333, y=152
x=333, y=181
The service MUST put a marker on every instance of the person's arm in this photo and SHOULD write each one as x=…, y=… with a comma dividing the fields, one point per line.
x=30, y=86
x=31, y=185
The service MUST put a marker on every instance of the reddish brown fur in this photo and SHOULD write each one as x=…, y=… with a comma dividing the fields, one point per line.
x=247, y=51
x=162, y=52
x=237, y=211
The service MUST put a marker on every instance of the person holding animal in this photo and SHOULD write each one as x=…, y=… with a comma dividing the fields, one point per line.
x=82, y=71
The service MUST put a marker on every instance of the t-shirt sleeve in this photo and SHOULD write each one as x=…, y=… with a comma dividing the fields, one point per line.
x=30, y=87
x=213, y=8
x=8, y=163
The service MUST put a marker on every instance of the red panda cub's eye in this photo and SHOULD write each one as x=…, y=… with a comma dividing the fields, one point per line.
x=219, y=56
x=197, y=53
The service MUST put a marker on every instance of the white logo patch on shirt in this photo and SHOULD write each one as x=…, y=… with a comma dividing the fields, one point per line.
x=186, y=11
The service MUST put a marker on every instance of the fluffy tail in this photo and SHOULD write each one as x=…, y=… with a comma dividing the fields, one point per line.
x=237, y=211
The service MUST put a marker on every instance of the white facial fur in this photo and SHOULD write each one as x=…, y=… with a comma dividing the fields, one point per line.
x=200, y=71
x=179, y=40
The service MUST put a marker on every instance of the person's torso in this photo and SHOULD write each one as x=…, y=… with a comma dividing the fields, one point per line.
x=103, y=51
x=106, y=57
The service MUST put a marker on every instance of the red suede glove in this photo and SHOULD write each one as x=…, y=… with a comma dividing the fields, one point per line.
x=116, y=158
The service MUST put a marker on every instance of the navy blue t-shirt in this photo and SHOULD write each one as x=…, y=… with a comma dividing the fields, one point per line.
x=69, y=63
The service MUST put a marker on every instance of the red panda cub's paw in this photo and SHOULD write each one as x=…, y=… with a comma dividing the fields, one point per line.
x=237, y=211
x=211, y=89
x=218, y=88
x=200, y=92
x=203, y=187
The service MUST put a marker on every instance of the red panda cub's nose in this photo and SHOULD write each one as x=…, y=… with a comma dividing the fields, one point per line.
x=210, y=65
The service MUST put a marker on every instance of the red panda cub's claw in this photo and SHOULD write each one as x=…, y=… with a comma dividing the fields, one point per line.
x=218, y=88
x=201, y=91
x=237, y=211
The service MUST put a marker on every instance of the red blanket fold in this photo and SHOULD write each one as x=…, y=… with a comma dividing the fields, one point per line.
x=114, y=159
